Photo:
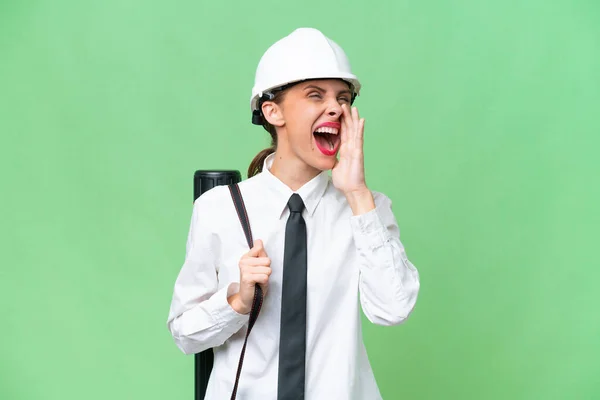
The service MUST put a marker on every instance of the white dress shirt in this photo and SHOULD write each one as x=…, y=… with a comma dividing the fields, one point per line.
x=353, y=261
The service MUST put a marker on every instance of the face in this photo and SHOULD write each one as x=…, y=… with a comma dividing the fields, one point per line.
x=308, y=122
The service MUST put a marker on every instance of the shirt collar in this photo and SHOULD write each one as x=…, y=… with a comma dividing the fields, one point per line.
x=311, y=192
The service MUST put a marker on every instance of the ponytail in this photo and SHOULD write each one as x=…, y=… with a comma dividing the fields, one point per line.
x=257, y=163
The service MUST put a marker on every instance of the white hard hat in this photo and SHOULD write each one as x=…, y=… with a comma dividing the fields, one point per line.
x=304, y=54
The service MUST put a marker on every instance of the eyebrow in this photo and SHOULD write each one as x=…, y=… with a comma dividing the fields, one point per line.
x=323, y=90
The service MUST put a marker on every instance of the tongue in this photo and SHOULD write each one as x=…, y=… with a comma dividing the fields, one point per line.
x=323, y=140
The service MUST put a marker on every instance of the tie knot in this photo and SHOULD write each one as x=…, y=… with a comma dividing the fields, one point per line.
x=295, y=203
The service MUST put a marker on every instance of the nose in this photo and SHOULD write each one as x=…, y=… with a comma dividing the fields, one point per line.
x=334, y=108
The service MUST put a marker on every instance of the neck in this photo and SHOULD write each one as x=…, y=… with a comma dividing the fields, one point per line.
x=292, y=172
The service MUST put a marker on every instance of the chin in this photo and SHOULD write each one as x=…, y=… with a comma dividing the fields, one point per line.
x=324, y=163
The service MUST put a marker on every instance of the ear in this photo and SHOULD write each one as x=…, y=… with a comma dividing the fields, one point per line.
x=273, y=114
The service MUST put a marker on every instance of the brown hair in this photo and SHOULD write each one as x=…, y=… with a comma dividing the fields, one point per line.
x=257, y=163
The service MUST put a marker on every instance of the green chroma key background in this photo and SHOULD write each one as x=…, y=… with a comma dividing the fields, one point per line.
x=481, y=125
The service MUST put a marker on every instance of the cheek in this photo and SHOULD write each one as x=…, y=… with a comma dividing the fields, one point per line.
x=300, y=125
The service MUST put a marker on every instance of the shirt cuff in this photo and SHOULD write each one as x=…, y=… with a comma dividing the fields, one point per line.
x=368, y=230
x=223, y=313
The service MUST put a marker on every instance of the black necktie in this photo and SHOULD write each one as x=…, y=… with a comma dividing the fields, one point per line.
x=292, y=342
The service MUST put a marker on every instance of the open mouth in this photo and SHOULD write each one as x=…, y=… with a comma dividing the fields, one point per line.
x=327, y=140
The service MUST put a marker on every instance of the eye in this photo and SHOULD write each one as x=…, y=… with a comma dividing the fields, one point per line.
x=315, y=95
x=344, y=99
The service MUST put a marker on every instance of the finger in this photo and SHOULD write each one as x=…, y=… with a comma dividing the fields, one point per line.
x=257, y=261
x=261, y=248
x=343, y=135
x=249, y=268
x=349, y=125
x=361, y=132
x=346, y=116
x=260, y=270
x=355, y=121
x=344, y=126
x=255, y=251
x=250, y=278
x=355, y=117
x=260, y=278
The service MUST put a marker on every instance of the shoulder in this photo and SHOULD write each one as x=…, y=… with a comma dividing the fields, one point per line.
x=252, y=184
x=211, y=208
x=212, y=200
x=215, y=207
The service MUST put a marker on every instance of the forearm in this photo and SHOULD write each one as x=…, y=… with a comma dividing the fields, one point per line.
x=389, y=282
x=205, y=324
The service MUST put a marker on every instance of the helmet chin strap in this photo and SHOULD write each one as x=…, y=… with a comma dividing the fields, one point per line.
x=257, y=117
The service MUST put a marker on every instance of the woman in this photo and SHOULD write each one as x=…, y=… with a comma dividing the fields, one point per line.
x=326, y=246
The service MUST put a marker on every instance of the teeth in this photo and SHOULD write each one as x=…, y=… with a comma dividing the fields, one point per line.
x=332, y=131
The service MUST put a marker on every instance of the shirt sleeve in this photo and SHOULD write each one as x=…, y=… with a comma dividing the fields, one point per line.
x=389, y=282
x=200, y=316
